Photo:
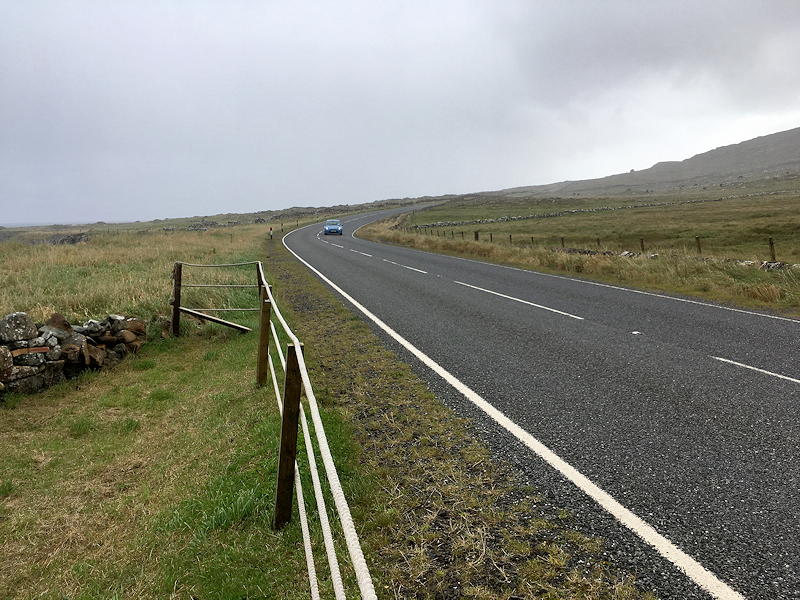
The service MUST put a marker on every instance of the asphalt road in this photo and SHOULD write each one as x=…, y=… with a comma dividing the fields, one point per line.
x=684, y=413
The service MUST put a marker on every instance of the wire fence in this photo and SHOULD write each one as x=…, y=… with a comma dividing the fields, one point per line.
x=296, y=382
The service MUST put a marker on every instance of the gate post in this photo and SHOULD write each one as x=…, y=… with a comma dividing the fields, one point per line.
x=288, y=452
x=262, y=363
x=176, y=297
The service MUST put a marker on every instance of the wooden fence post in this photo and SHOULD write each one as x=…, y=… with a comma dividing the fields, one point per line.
x=772, y=250
x=176, y=297
x=476, y=236
x=699, y=249
x=262, y=364
x=284, y=491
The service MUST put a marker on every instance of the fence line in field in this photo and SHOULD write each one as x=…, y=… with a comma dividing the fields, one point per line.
x=296, y=379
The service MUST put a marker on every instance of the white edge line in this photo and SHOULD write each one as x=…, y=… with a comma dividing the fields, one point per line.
x=474, y=287
x=738, y=364
x=693, y=569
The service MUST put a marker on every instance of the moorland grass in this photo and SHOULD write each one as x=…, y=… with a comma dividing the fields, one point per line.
x=730, y=230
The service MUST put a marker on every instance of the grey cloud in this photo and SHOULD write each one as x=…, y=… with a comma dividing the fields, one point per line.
x=149, y=109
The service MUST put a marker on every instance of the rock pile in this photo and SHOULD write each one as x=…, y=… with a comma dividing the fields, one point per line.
x=73, y=238
x=34, y=356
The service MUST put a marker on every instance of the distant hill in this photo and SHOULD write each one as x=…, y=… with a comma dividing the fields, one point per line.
x=766, y=156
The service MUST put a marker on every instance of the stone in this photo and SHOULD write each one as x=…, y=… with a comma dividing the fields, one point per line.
x=53, y=372
x=135, y=325
x=92, y=327
x=112, y=360
x=125, y=336
x=27, y=385
x=54, y=332
x=74, y=349
x=58, y=321
x=43, y=355
x=97, y=354
x=135, y=345
x=37, y=342
x=6, y=360
x=17, y=372
x=35, y=359
x=17, y=326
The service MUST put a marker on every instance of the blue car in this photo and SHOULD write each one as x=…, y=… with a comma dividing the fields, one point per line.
x=333, y=226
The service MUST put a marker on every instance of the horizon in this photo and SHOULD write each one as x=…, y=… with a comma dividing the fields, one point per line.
x=22, y=225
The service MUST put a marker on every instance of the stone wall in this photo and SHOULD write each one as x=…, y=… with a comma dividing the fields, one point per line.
x=34, y=356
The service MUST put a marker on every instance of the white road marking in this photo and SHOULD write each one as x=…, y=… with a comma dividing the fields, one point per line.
x=337, y=245
x=363, y=253
x=405, y=266
x=474, y=287
x=756, y=369
x=693, y=569
x=632, y=291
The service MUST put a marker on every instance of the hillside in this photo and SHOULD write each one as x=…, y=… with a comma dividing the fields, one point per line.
x=760, y=158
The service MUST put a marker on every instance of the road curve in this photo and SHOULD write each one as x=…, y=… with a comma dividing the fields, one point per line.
x=674, y=421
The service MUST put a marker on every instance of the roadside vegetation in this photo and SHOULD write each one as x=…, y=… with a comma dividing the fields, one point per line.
x=156, y=479
x=694, y=243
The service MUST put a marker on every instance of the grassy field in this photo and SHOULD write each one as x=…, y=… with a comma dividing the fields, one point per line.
x=731, y=228
x=156, y=480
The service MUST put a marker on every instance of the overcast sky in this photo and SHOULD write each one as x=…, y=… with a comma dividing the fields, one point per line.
x=119, y=111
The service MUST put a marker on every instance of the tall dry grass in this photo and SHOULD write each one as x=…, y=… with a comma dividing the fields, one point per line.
x=128, y=274
x=714, y=279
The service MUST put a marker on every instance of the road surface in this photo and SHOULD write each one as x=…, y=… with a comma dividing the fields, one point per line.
x=650, y=417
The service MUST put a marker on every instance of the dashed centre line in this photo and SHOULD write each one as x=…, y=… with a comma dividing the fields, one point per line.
x=362, y=253
x=474, y=287
x=405, y=266
x=738, y=364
